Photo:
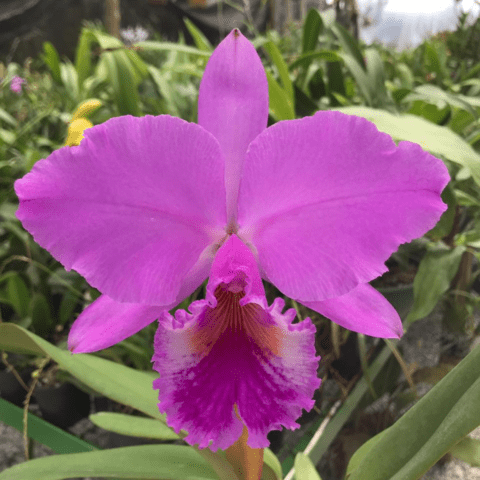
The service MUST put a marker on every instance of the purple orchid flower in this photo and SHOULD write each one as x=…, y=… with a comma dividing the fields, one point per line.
x=147, y=208
x=16, y=84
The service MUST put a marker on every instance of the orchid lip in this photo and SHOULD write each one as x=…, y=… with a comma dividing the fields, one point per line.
x=235, y=348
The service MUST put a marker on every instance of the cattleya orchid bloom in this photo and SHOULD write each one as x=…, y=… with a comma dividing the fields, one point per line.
x=147, y=208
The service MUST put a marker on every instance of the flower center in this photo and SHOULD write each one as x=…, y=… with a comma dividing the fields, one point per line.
x=231, y=322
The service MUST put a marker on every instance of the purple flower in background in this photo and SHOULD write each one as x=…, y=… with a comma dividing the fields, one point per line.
x=132, y=35
x=147, y=208
x=16, y=84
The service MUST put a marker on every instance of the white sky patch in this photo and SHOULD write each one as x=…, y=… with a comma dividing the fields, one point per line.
x=406, y=23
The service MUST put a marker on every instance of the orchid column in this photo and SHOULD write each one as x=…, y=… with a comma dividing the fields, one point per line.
x=148, y=208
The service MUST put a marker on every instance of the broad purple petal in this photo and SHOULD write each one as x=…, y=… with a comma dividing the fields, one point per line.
x=362, y=310
x=233, y=105
x=106, y=322
x=234, y=350
x=133, y=209
x=325, y=200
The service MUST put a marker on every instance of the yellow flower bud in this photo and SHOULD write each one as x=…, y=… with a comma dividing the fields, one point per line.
x=86, y=108
x=75, y=131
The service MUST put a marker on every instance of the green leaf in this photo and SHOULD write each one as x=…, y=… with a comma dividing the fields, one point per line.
x=171, y=47
x=436, y=139
x=6, y=117
x=165, y=89
x=51, y=58
x=312, y=28
x=439, y=97
x=67, y=306
x=336, y=81
x=122, y=77
x=467, y=450
x=405, y=75
x=7, y=136
x=133, y=426
x=18, y=295
x=435, y=273
x=120, y=383
x=280, y=106
x=136, y=64
x=360, y=76
x=305, y=469
x=43, y=432
x=473, y=101
x=106, y=41
x=41, y=314
x=144, y=462
x=445, y=224
x=362, y=452
x=349, y=44
x=376, y=76
x=306, y=59
x=201, y=41
x=460, y=121
x=316, y=84
x=434, y=60
x=270, y=459
x=282, y=68
x=448, y=412
x=429, y=111
x=83, y=61
x=70, y=80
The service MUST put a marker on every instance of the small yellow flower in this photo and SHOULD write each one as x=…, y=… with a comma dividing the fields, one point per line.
x=86, y=108
x=79, y=122
x=75, y=131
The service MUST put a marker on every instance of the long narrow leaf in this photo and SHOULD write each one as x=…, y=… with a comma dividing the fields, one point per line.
x=83, y=61
x=280, y=106
x=349, y=44
x=201, y=41
x=306, y=59
x=171, y=47
x=120, y=383
x=435, y=273
x=376, y=76
x=282, y=68
x=43, y=432
x=311, y=30
x=52, y=60
x=133, y=426
x=361, y=78
x=164, y=462
x=305, y=469
x=428, y=430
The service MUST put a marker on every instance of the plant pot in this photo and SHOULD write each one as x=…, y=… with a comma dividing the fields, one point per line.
x=11, y=389
x=62, y=404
